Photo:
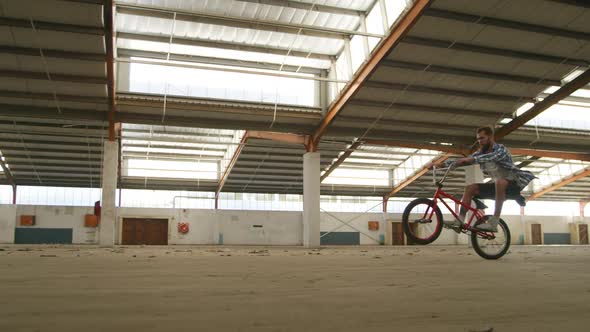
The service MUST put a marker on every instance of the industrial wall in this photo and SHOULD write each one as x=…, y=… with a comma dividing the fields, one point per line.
x=241, y=227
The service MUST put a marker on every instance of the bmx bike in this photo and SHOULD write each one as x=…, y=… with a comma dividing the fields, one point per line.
x=422, y=222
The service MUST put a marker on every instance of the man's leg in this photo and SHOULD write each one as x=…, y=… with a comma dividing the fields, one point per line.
x=492, y=223
x=470, y=191
x=501, y=186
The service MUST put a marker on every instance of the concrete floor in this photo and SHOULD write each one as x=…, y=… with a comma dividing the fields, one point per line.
x=293, y=289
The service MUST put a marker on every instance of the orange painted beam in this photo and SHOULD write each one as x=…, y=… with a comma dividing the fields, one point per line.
x=398, y=32
x=110, y=51
x=269, y=135
x=560, y=184
x=279, y=137
x=229, y=167
x=541, y=106
x=414, y=177
x=465, y=151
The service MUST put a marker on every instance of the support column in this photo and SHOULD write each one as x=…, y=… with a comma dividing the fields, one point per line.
x=7, y=223
x=311, y=199
x=108, y=214
x=388, y=224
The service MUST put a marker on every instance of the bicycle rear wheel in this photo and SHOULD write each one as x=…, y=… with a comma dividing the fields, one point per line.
x=491, y=245
x=422, y=221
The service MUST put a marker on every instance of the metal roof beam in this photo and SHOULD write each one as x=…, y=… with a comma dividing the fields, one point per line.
x=49, y=96
x=223, y=45
x=445, y=44
x=238, y=22
x=396, y=34
x=447, y=92
x=218, y=61
x=541, y=106
x=469, y=73
x=465, y=151
x=501, y=23
x=562, y=183
x=425, y=108
x=189, y=121
x=51, y=26
x=307, y=6
x=79, y=132
x=229, y=167
x=90, y=2
x=578, y=3
x=54, y=77
x=32, y=151
x=109, y=38
x=49, y=53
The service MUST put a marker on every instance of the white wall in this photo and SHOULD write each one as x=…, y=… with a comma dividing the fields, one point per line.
x=235, y=227
x=225, y=226
x=61, y=217
x=358, y=222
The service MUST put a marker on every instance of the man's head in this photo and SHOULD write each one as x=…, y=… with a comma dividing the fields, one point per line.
x=485, y=137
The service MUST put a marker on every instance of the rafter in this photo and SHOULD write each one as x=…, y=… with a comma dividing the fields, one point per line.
x=397, y=33
x=502, y=23
x=453, y=45
x=541, y=106
x=238, y=22
x=54, y=77
x=109, y=37
x=51, y=53
x=51, y=26
x=562, y=183
x=224, y=45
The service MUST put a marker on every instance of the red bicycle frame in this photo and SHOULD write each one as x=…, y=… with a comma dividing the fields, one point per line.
x=440, y=194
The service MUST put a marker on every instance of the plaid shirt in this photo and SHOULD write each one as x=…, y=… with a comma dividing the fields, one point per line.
x=502, y=158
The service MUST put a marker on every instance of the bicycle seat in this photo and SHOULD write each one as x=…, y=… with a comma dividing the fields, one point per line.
x=479, y=204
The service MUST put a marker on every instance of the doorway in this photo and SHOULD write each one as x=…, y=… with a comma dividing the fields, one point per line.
x=583, y=233
x=536, y=234
x=147, y=231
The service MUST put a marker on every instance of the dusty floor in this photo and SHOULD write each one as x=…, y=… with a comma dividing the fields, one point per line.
x=293, y=289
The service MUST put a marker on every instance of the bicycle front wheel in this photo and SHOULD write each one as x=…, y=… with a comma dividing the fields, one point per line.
x=422, y=221
x=491, y=245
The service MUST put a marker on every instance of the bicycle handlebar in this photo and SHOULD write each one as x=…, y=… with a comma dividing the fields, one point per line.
x=442, y=180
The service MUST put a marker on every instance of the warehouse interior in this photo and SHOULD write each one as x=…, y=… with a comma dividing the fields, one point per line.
x=264, y=151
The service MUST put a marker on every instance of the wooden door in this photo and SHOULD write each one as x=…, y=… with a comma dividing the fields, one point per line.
x=145, y=231
x=536, y=234
x=583, y=233
x=397, y=234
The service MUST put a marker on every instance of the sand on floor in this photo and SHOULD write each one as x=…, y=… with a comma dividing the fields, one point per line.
x=180, y=288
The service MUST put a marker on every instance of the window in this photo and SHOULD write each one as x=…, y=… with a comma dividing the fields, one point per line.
x=172, y=169
x=359, y=177
x=210, y=83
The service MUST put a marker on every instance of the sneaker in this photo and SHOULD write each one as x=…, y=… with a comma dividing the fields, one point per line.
x=491, y=225
x=455, y=223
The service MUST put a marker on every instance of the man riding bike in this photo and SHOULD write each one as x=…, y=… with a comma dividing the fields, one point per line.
x=496, y=162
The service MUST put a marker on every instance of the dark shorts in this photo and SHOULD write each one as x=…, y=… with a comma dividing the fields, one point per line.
x=488, y=190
